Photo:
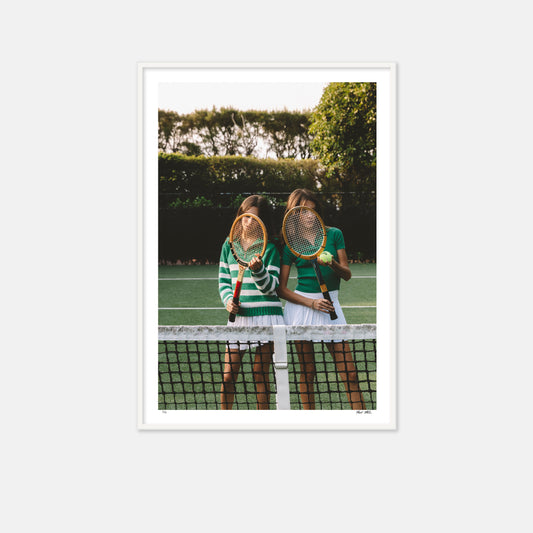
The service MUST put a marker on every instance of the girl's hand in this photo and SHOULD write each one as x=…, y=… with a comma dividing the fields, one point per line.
x=320, y=262
x=321, y=304
x=232, y=307
x=256, y=263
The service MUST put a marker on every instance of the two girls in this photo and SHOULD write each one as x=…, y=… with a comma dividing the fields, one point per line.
x=264, y=281
x=259, y=306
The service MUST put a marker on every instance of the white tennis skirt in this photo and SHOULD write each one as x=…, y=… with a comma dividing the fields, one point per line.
x=253, y=321
x=300, y=315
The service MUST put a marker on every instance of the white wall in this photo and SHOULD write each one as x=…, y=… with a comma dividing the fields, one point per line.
x=72, y=457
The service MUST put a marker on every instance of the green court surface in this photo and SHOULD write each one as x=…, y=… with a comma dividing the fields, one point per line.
x=193, y=381
x=188, y=295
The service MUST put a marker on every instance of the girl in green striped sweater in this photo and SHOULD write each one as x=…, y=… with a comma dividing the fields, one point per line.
x=259, y=306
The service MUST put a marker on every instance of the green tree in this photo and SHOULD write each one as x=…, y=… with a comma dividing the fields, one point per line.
x=287, y=133
x=229, y=131
x=343, y=131
x=169, y=134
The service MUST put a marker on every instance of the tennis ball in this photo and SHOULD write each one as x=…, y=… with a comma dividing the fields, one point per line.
x=326, y=257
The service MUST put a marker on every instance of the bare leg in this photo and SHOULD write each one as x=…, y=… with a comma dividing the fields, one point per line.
x=232, y=365
x=342, y=355
x=306, y=355
x=263, y=360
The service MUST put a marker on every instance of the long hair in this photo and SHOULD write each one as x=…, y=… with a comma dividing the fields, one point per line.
x=300, y=196
x=264, y=210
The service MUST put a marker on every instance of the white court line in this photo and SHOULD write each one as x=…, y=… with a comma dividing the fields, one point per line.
x=214, y=308
x=189, y=308
x=198, y=279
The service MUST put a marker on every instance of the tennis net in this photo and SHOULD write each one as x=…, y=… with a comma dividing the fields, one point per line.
x=280, y=367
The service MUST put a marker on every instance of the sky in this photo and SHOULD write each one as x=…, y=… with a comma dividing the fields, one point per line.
x=188, y=97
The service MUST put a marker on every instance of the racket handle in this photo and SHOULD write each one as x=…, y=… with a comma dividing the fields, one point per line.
x=332, y=314
x=236, y=295
x=323, y=288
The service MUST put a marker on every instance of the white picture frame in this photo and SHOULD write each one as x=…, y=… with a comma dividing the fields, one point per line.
x=150, y=76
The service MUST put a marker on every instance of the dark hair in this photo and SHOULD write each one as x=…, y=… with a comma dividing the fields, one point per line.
x=299, y=196
x=264, y=210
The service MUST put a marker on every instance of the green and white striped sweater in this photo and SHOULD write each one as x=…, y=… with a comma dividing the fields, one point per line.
x=258, y=292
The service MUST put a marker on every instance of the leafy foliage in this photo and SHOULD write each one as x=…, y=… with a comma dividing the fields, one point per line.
x=218, y=180
x=343, y=130
x=228, y=131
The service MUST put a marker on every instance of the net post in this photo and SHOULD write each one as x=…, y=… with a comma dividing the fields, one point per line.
x=281, y=367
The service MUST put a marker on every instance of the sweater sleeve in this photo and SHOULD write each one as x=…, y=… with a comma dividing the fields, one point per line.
x=225, y=288
x=267, y=278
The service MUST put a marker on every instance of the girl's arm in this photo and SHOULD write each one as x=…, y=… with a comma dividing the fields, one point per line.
x=225, y=287
x=340, y=267
x=285, y=293
x=266, y=275
x=320, y=304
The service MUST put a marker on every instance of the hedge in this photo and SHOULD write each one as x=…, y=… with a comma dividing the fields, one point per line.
x=199, y=196
x=184, y=177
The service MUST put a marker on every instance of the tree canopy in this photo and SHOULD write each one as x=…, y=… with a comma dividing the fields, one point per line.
x=343, y=132
x=232, y=132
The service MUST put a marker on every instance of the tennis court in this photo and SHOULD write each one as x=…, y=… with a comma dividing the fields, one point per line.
x=190, y=372
x=191, y=369
x=188, y=295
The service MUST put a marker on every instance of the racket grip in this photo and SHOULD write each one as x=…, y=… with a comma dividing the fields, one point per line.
x=324, y=289
x=236, y=295
x=332, y=314
x=326, y=295
x=233, y=315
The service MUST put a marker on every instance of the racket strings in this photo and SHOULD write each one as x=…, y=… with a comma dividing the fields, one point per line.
x=304, y=232
x=248, y=238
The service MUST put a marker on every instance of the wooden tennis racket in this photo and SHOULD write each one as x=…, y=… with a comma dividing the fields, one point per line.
x=248, y=239
x=304, y=233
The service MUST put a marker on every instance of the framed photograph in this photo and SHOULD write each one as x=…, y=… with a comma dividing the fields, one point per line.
x=267, y=246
